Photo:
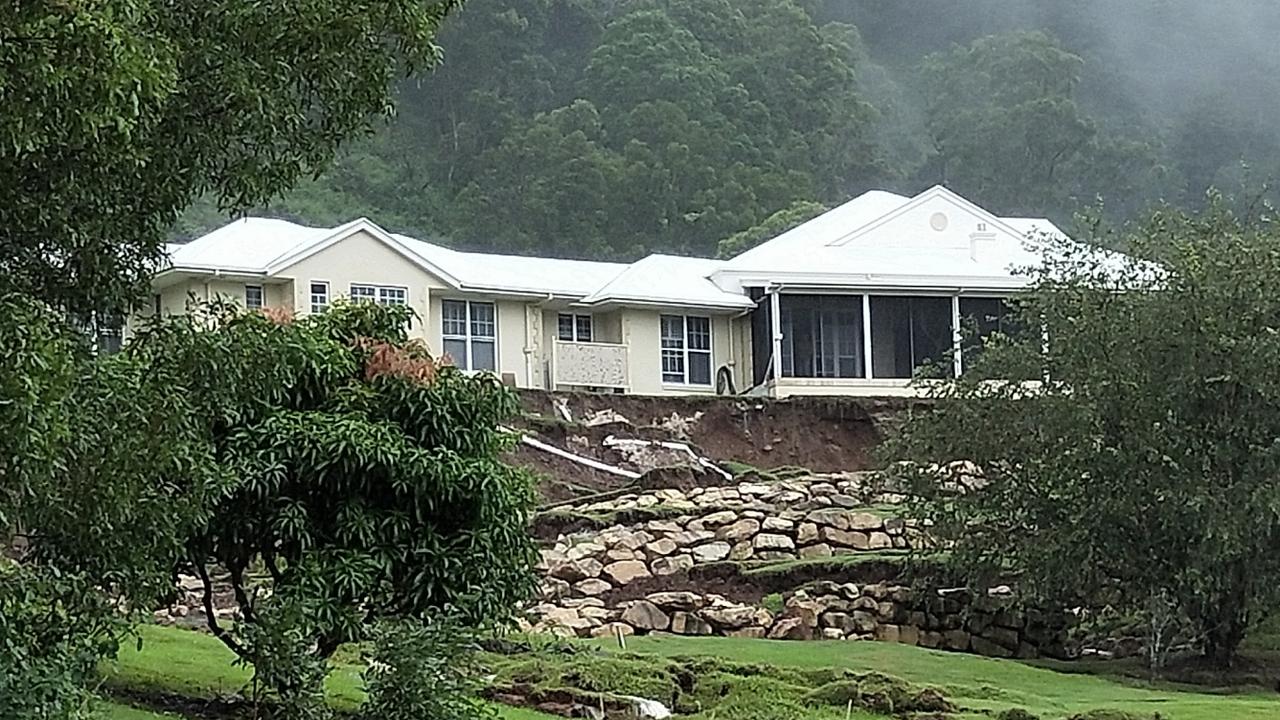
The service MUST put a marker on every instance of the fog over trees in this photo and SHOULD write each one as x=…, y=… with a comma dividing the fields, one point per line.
x=613, y=128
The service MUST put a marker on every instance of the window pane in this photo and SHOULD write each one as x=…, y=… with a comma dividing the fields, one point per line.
x=564, y=327
x=482, y=355
x=583, y=323
x=453, y=314
x=699, y=368
x=699, y=329
x=253, y=296
x=672, y=331
x=319, y=297
x=363, y=293
x=391, y=296
x=908, y=331
x=673, y=366
x=457, y=351
x=482, y=322
x=822, y=336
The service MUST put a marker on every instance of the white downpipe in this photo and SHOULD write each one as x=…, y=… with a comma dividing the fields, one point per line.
x=588, y=462
x=612, y=441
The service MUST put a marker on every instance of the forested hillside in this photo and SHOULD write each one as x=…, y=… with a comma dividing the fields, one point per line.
x=614, y=128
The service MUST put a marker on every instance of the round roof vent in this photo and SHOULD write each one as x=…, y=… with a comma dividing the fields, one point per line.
x=938, y=221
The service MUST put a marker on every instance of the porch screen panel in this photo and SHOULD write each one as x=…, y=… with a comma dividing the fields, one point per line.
x=822, y=336
x=982, y=317
x=907, y=333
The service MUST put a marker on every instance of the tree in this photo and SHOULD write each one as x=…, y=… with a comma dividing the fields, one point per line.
x=366, y=481
x=1142, y=466
x=785, y=219
x=119, y=113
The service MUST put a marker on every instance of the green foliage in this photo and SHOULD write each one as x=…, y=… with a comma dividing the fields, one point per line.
x=118, y=113
x=366, y=480
x=785, y=219
x=423, y=670
x=1143, y=467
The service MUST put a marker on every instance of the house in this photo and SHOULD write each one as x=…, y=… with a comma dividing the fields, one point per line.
x=851, y=302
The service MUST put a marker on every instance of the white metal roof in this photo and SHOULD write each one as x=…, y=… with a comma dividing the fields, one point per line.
x=668, y=280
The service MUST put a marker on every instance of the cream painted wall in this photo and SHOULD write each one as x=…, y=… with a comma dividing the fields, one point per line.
x=363, y=259
x=642, y=331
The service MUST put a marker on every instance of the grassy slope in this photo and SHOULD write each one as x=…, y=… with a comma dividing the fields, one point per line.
x=196, y=665
x=980, y=683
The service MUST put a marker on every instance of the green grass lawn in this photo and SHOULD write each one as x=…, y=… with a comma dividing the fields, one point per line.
x=197, y=665
x=981, y=683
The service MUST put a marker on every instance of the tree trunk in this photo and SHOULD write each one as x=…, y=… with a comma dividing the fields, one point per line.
x=1226, y=621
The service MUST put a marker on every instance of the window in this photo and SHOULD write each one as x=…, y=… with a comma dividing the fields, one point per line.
x=574, y=328
x=981, y=317
x=381, y=294
x=319, y=297
x=908, y=332
x=253, y=296
x=686, y=350
x=822, y=336
x=470, y=332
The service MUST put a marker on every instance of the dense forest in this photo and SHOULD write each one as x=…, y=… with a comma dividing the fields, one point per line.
x=615, y=128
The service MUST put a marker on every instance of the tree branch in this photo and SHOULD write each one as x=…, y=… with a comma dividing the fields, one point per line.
x=211, y=619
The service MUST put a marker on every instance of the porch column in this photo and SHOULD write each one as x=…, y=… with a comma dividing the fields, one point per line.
x=866, y=333
x=956, y=360
x=775, y=320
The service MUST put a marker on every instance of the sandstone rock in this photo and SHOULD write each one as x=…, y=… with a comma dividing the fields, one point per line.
x=850, y=591
x=844, y=538
x=619, y=553
x=716, y=519
x=908, y=635
x=575, y=570
x=832, y=634
x=740, y=530
x=592, y=586
x=790, y=629
x=775, y=555
x=742, y=551
x=582, y=602
x=805, y=608
x=887, y=633
x=844, y=501
x=754, y=489
x=644, y=615
x=983, y=646
x=683, y=623
x=753, y=514
x=672, y=564
x=865, y=521
x=931, y=639
x=621, y=573
x=663, y=526
x=816, y=551
x=584, y=550
x=687, y=601
x=548, y=559
x=777, y=524
x=645, y=501
x=894, y=526
x=659, y=548
x=753, y=632
x=596, y=613
x=767, y=541
x=667, y=494
x=821, y=488
x=634, y=541
x=830, y=517
x=1027, y=651
x=865, y=602
x=862, y=621
x=806, y=533
x=955, y=640
x=613, y=629
x=711, y=552
x=879, y=540
x=738, y=616
x=560, y=616
x=1004, y=637
x=551, y=588
x=692, y=537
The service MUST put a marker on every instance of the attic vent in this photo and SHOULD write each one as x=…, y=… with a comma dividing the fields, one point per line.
x=938, y=221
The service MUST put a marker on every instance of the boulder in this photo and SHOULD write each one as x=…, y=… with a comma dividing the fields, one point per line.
x=895, y=526
x=775, y=555
x=844, y=501
x=767, y=541
x=584, y=550
x=613, y=629
x=738, y=616
x=663, y=526
x=832, y=634
x=879, y=540
x=777, y=524
x=686, y=601
x=754, y=632
x=862, y=621
x=644, y=615
x=806, y=609
x=955, y=640
x=683, y=623
x=806, y=533
x=692, y=537
x=575, y=570
x=716, y=519
x=551, y=588
x=592, y=586
x=619, y=553
x=634, y=541
x=661, y=547
x=790, y=629
x=830, y=517
x=887, y=633
x=908, y=635
x=742, y=551
x=672, y=564
x=711, y=552
x=668, y=494
x=597, y=613
x=816, y=551
x=931, y=639
x=865, y=521
x=621, y=573
x=1004, y=637
x=844, y=538
x=740, y=530
x=983, y=646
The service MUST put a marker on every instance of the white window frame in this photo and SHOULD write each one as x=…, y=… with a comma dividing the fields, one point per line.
x=576, y=332
x=469, y=337
x=262, y=297
x=320, y=307
x=684, y=352
x=374, y=293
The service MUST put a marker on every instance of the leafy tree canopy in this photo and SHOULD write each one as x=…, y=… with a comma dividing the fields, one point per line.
x=1142, y=468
